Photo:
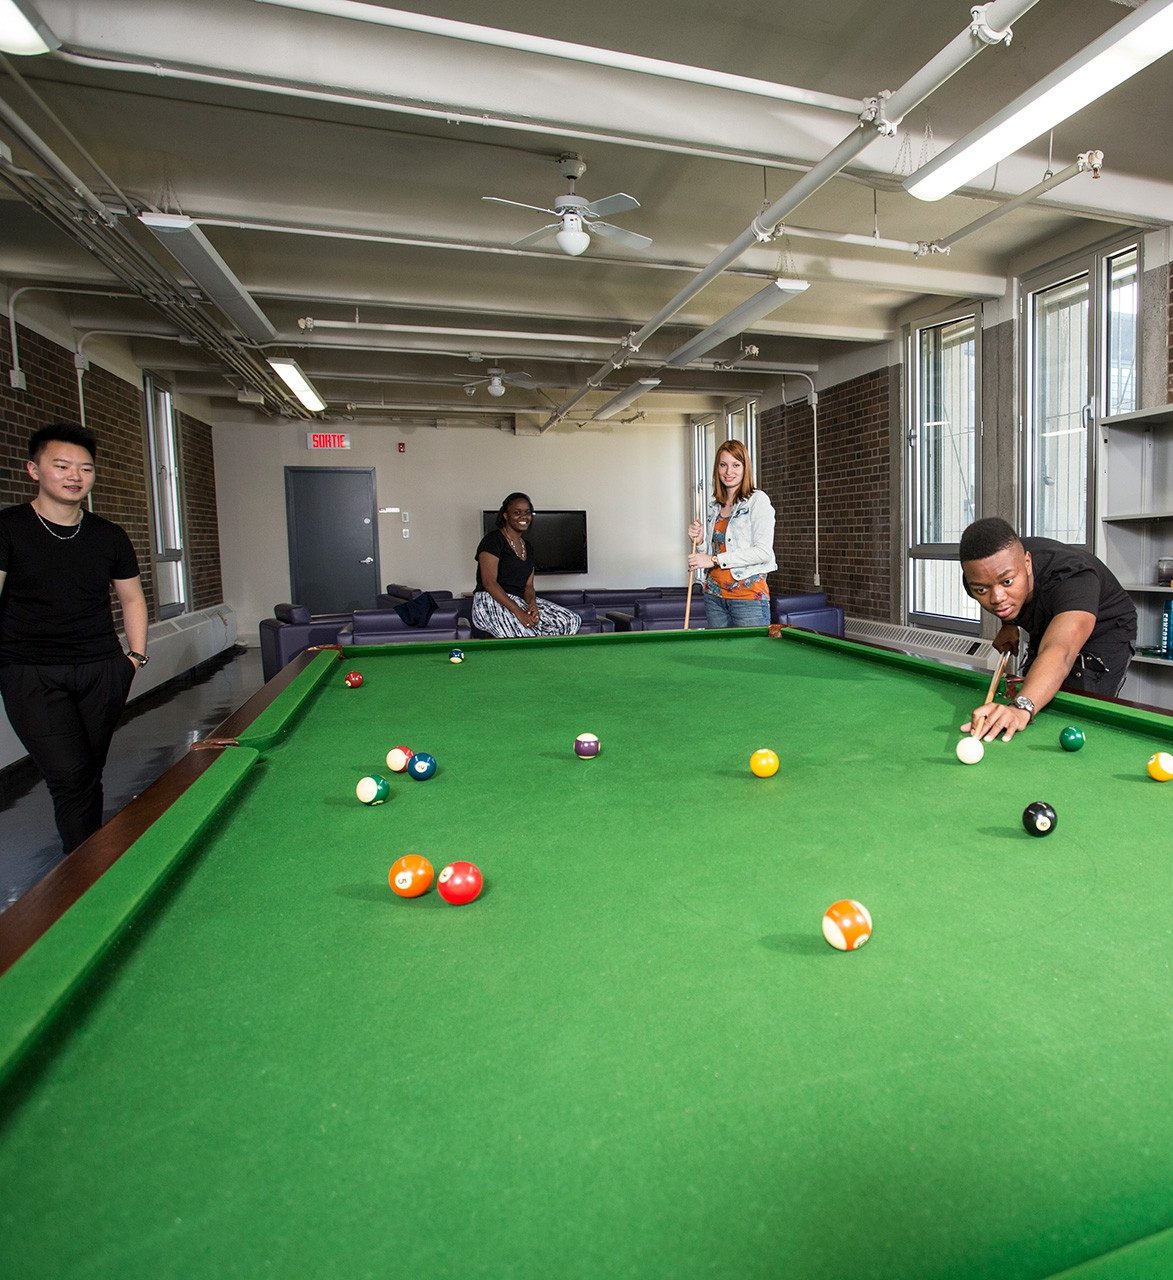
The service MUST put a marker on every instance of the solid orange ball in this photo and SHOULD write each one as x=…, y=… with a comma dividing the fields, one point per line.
x=411, y=875
x=764, y=763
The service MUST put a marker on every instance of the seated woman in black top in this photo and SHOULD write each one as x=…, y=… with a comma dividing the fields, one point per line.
x=504, y=604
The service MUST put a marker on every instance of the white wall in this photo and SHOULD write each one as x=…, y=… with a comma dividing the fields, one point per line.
x=633, y=481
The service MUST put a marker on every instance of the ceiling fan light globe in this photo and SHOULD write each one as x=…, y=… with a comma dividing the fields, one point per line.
x=496, y=387
x=572, y=243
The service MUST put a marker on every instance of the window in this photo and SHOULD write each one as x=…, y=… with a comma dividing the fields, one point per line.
x=740, y=423
x=942, y=469
x=1121, y=279
x=1081, y=363
x=1060, y=407
x=167, y=524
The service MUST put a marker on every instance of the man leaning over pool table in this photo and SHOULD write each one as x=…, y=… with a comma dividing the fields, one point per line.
x=1079, y=620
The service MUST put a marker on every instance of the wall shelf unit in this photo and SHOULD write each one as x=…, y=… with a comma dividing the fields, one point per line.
x=1135, y=530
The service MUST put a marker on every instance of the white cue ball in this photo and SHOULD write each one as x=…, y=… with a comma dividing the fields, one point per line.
x=970, y=750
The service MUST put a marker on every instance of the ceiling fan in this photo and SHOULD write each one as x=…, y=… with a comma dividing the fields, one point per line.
x=496, y=380
x=579, y=218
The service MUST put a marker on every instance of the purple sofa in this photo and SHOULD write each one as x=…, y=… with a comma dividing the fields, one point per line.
x=809, y=610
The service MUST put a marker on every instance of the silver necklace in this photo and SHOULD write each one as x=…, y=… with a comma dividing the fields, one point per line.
x=61, y=537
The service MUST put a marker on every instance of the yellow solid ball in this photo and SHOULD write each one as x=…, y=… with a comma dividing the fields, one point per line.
x=764, y=763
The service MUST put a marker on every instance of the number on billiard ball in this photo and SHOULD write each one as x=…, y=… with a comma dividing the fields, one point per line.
x=459, y=883
x=421, y=766
x=353, y=679
x=411, y=875
x=1039, y=818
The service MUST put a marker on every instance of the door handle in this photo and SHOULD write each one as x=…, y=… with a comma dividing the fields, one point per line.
x=368, y=560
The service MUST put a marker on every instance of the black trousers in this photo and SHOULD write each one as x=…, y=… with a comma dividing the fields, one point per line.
x=1099, y=673
x=66, y=716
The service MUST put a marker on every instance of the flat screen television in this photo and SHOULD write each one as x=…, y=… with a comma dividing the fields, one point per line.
x=559, y=540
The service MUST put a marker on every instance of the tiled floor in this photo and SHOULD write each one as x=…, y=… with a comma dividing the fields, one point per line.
x=153, y=734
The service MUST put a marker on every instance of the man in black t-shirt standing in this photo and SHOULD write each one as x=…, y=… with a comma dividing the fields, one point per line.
x=63, y=675
x=1080, y=622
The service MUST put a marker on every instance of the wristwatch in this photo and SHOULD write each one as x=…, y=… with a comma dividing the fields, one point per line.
x=1024, y=704
x=140, y=658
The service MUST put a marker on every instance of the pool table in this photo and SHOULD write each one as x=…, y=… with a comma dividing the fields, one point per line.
x=239, y=1054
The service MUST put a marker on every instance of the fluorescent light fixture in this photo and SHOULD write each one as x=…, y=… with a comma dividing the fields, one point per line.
x=188, y=245
x=1128, y=47
x=572, y=239
x=289, y=371
x=739, y=319
x=23, y=30
x=624, y=398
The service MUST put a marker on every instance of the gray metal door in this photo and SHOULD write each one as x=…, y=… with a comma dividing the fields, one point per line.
x=333, y=548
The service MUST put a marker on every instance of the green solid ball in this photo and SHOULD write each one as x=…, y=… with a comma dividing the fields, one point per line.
x=1071, y=738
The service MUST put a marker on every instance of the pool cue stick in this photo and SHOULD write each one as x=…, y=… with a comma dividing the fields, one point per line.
x=998, y=673
x=688, y=599
x=691, y=573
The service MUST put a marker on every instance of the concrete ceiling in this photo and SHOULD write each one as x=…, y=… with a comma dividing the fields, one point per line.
x=338, y=167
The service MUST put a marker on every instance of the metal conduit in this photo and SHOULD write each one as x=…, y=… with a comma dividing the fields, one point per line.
x=991, y=23
x=1092, y=160
x=126, y=261
x=451, y=115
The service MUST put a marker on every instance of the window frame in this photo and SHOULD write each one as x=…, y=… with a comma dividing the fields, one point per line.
x=936, y=551
x=1092, y=262
x=155, y=389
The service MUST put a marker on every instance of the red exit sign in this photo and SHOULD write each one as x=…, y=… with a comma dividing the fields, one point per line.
x=327, y=440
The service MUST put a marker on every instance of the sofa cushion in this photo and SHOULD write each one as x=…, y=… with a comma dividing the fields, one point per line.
x=298, y=614
x=803, y=600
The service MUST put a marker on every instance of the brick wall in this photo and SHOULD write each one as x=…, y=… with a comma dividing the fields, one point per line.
x=201, y=529
x=855, y=519
x=114, y=412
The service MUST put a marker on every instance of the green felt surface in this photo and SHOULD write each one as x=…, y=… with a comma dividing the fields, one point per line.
x=634, y=1055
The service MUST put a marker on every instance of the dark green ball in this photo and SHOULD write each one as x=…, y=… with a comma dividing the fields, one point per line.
x=1071, y=738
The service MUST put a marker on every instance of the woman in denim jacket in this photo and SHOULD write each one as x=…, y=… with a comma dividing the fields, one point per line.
x=739, y=537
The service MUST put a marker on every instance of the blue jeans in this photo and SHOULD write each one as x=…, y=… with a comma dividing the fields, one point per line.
x=720, y=612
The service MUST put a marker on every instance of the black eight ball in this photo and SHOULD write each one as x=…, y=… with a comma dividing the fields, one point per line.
x=1039, y=819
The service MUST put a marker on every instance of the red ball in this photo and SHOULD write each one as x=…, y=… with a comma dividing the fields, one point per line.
x=353, y=680
x=459, y=883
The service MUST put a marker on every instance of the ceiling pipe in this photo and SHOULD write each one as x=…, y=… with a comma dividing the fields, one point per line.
x=47, y=157
x=990, y=25
x=61, y=126
x=16, y=378
x=450, y=115
x=127, y=261
x=1092, y=160
x=522, y=42
x=309, y=324
x=467, y=246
